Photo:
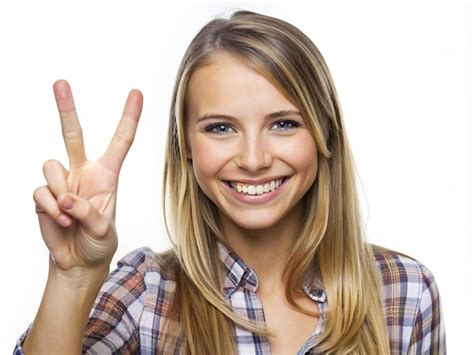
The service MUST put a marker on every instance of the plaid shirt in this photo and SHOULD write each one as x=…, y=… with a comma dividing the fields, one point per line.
x=126, y=316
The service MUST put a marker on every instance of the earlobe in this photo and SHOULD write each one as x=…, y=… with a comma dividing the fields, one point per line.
x=187, y=149
x=188, y=154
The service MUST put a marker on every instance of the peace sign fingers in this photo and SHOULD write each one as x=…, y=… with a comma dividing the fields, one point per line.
x=71, y=128
x=125, y=132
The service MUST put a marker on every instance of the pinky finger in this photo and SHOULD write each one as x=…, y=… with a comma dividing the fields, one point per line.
x=45, y=202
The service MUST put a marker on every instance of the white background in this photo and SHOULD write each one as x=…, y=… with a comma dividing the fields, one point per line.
x=403, y=71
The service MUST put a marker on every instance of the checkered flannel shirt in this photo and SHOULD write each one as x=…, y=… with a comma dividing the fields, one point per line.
x=127, y=315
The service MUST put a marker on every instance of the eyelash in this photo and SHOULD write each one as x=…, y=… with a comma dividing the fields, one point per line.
x=210, y=128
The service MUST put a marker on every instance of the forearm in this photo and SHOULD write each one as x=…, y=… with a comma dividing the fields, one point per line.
x=63, y=313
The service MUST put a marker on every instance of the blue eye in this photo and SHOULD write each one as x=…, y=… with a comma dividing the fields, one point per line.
x=223, y=128
x=218, y=128
x=283, y=125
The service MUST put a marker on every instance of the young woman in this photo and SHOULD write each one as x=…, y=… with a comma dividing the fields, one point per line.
x=268, y=248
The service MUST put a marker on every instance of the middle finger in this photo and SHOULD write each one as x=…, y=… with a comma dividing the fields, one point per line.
x=125, y=132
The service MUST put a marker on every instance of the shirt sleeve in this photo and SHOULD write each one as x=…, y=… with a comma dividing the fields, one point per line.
x=428, y=336
x=113, y=325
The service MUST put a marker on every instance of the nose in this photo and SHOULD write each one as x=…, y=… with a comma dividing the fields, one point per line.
x=254, y=154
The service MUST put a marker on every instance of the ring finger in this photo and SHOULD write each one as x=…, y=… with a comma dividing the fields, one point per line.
x=56, y=177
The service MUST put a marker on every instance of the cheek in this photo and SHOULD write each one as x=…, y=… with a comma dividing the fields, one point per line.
x=301, y=154
x=207, y=160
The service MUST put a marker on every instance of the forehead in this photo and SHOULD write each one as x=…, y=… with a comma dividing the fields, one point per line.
x=228, y=86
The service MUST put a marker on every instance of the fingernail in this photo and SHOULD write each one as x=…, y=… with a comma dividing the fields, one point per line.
x=64, y=220
x=67, y=202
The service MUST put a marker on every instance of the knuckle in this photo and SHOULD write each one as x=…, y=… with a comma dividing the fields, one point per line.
x=123, y=138
x=72, y=134
x=49, y=164
x=39, y=191
x=39, y=196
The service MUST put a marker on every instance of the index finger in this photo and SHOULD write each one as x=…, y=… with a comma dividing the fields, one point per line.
x=70, y=126
x=125, y=132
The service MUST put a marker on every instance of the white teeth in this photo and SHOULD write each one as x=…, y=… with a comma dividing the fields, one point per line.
x=257, y=189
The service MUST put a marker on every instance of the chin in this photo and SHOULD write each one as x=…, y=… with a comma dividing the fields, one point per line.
x=254, y=223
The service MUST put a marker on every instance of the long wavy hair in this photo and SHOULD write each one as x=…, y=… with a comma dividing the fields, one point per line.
x=331, y=240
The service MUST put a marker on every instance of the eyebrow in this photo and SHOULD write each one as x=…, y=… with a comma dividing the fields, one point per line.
x=267, y=117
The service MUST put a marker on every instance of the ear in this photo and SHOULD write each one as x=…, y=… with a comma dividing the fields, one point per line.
x=188, y=152
x=187, y=146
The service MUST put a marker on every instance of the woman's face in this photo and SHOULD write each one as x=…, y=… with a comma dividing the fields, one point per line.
x=252, y=162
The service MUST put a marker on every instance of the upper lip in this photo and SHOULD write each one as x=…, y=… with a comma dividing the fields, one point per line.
x=257, y=181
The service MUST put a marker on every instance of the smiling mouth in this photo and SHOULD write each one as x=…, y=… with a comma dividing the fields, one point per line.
x=260, y=189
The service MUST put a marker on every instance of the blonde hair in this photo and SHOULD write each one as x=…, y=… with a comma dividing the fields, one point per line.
x=331, y=240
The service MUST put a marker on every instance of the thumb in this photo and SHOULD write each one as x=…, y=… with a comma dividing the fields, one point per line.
x=85, y=212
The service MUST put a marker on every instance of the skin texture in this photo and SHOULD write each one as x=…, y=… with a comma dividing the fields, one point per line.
x=76, y=209
x=81, y=236
x=249, y=147
x=76, y=214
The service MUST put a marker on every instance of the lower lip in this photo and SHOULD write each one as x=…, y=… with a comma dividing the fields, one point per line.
x=256, y=199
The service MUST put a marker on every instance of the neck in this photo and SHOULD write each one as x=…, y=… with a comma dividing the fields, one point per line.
x=265, y=250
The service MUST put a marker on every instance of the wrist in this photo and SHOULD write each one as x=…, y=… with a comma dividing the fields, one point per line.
x=78, y=277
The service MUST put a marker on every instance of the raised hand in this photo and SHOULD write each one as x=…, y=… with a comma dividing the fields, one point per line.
x=76, y=209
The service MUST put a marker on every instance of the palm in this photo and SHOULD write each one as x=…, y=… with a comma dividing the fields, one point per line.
x=98, y=185
x=94, y=181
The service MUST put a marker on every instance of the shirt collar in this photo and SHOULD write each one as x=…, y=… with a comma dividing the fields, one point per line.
x=238, y=274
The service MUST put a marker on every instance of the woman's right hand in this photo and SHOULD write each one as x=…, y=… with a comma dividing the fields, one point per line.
x=82, y=236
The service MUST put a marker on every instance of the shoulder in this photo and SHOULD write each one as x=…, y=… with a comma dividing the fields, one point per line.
x=150, y=269
x=412, y=302
x=136, y=293
x=145, y=260
x=397, y=268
